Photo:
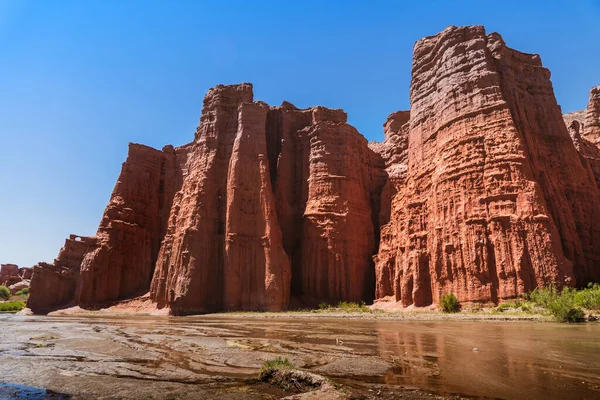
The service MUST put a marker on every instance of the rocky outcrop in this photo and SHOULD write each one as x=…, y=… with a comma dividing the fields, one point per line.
x=51, y=287
x=394, y=152
x=18, y=286
x=592, y=117
x=14, y=278
x=9, y=274
x=25, y=272
x=496, y=201
x=130, y=233
x=588, y=151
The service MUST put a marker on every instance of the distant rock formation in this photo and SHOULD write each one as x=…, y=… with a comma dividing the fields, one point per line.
x=592, y=118
x=584, y=128
x=15, y=278
x=478, y=190
x=9, y=274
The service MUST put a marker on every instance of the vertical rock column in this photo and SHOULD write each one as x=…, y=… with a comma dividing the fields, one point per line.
x=340, y=183
x=592, y=118
x=189, y=271
x=257, y=272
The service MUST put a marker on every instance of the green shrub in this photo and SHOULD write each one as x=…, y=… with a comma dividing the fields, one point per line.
x=22, y=292
x=12, y=306
x=561, y=305
x=574, y=315
x=324, y=306
x=353, y=307
x=4, y=293
x=588, y=298
x=449, y=303
x=543, y=297
x=270, y=366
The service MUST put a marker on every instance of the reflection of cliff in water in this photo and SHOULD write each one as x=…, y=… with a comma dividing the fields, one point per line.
x=490, y=360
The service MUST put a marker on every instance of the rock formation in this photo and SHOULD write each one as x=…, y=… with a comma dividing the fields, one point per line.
x=584, y=128
x=588, y=151
x=130, y=233
x=14, y=278
x=260, y=196
x=496, y=202
x=592, y=118
x=53, y=285
x=9, y=274
x=477, y=190
x=25, y=272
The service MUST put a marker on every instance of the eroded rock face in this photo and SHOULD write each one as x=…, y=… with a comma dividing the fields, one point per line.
x=132, y=228
x=328, y=185
x=592, y=117
x=588, y=151
x=189, y=270
x=256, y=269
x=273, y=195
x=496, y=200
x=51, y=287
x=394, y=152
x=584, y=129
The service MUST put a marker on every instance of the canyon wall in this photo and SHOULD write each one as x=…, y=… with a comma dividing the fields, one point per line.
x=480, y=190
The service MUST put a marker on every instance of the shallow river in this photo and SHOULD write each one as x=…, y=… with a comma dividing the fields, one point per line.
x=209, y=357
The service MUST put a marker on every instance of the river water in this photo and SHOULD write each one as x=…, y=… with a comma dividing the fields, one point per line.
x=137, y=357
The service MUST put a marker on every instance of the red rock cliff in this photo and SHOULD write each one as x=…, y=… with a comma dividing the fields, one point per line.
x=273, y=195
x=131, y=229
x=496, y=201
x=477, y=190
x=327, y=187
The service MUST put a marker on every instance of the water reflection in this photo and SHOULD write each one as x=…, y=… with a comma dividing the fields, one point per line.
x=22, y=392
x=493, y=360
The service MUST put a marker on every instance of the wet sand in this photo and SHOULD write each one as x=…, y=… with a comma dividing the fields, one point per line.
x=215, y=357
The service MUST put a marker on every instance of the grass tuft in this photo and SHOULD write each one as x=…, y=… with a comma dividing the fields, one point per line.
x=270, y=366
x=12, y=306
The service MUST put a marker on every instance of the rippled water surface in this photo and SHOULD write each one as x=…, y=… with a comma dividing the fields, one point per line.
x=141, y=356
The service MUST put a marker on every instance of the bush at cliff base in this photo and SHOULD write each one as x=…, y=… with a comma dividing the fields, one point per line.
x=449, y=303
x=12, y=306
x=4, y=293
x=566, y=305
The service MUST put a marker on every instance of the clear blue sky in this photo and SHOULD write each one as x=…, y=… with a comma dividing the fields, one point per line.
x=81, y=79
